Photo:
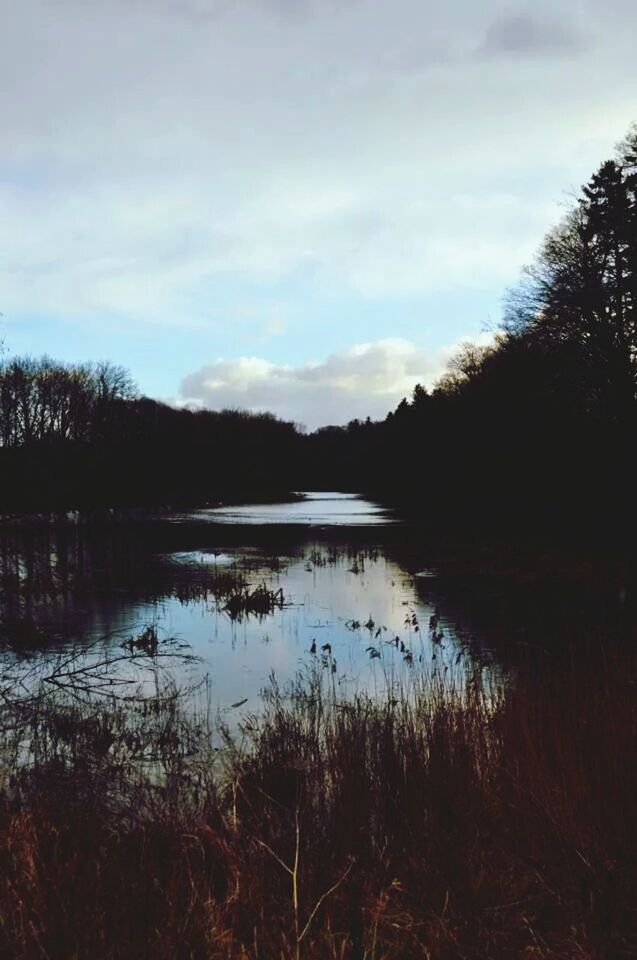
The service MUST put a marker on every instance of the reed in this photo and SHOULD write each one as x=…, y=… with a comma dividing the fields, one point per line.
x=454, y=820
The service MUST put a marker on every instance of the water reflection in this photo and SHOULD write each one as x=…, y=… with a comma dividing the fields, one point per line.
x=365, y=598
x=343, y=602
x=358, y=612
x=312, y=509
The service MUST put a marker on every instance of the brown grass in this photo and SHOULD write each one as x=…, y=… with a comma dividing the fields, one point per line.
x=451, y=824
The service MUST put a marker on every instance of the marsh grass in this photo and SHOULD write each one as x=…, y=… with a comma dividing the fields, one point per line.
x=230, y=589
x=256, y=601
x=447, y=820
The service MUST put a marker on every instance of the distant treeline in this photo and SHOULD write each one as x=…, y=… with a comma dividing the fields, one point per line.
x=537, y=428
x=74, y=437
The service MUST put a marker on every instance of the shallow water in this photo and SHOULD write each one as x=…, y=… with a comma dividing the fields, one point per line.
x=349, y=605
x=356, y=613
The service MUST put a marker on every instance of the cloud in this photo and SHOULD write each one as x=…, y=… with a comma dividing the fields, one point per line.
x=203, y=10
x=157, y=149
x=369, y=379
x=525, y=35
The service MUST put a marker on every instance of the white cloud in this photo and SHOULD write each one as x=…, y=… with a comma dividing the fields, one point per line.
x=369, y=379
x=152, y=149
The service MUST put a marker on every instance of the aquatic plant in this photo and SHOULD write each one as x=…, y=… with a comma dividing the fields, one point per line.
x=258, y=601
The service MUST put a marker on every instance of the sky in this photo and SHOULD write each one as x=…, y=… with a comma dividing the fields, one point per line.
x=296, y=205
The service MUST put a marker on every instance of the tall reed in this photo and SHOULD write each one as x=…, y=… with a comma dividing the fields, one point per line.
x=454, y=820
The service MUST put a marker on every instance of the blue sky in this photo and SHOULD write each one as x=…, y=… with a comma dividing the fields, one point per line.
x=302, y=205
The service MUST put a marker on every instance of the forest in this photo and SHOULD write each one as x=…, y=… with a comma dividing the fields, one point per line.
x=539, y=426
x=535, y=429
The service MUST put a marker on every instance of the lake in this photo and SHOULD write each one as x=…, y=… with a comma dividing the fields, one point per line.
x=360, y=594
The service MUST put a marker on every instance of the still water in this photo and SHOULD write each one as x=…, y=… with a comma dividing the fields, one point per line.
x=312, y=509
x=361, y=596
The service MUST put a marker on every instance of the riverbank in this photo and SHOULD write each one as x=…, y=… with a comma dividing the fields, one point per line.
x=456, y=821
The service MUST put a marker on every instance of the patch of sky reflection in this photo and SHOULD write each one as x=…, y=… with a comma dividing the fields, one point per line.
x=314, y=509
x=350, y=610
x=360, y=612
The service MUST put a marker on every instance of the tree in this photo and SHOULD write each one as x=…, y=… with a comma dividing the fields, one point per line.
x=464, y=367
x=580, y=291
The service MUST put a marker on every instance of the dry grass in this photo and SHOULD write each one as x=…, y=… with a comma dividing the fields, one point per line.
x=452, y=823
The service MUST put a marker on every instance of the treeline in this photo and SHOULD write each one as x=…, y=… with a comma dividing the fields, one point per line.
x=539, y=427
x=80, y=436
x=45, y=401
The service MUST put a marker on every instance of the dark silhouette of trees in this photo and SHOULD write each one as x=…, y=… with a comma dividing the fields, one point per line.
x=537, y=429
x=80, y=436
x=41, y=400
x=581, y=292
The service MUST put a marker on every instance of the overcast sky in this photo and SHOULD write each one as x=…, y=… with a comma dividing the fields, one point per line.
x=300, y=205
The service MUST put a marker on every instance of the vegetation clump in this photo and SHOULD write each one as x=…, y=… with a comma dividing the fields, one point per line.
x=258, y=601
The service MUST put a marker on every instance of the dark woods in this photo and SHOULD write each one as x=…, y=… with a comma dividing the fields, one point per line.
x=78, y=437
x=535, y=429
x=539, y=427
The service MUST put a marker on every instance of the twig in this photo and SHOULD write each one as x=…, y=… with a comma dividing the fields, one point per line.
x=323, y=897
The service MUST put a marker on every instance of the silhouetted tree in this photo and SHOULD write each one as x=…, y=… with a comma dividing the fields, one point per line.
x=580, y=292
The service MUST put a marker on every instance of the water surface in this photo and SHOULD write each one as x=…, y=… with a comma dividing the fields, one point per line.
x=365, y=597
x=314, y=510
